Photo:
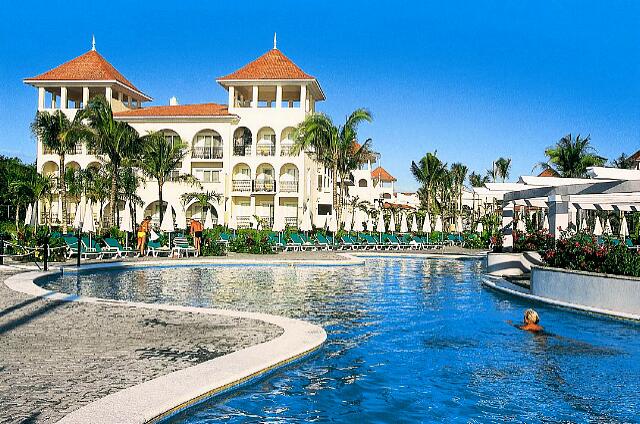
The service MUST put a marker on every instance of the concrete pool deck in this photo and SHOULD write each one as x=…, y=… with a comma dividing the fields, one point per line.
x=59, y=359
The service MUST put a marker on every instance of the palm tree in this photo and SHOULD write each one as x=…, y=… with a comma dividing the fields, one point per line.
x=203, y=198
x=31, y=188
x=97, y=187
x=570, y=157
x=492, y=174
x=59, y=134
x=428, y=172
x=129, y=181
x=459, y=173
x=115, y=141
x=329, y=144
x=623, y=162
x=352, y=155
x=476, y=180
x=503, y=166
x=160, y=159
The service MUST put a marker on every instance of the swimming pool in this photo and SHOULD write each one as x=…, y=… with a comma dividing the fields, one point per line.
x=409, y=340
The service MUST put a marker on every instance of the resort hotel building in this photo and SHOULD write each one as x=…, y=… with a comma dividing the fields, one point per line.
x=241, y=150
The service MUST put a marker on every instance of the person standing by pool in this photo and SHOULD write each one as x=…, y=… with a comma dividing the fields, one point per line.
x=196, y=233
x=143, y=230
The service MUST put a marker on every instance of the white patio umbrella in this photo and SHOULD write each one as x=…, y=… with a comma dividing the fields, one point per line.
x=380, y=227
x=414, y=224
x=305, y=224
x=479, y=228
x=438, y=226
x=520, y=226
x=34, y=214
x=253, y=222
x=583, y=225
x=607, y=227
x=27, y=216
x=77, y=220
x=624, y=229
x=369, y=223
x=597, y=227
x=404, y=228
x=347, y=221
x=167, y=225
x=88, y=226
x=358, y=219
x=392, y=222
x=233, y=223
x=126, y=223
x=332, y=224
x=426, y=224
x=279, y=223
x=545, y=223
x=459, y=224
x=208, y=221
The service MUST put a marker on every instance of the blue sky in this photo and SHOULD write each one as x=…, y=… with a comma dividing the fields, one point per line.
x=473, y=80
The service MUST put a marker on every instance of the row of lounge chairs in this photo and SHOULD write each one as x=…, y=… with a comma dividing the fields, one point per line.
x=111, y=248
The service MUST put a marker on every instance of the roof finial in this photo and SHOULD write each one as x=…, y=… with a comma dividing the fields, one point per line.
x=93, y=42
x=275, y=41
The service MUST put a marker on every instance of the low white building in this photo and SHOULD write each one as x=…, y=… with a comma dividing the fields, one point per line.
x=241, y=150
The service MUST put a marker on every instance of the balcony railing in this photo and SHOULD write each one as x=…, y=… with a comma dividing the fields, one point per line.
x=241, y=185
x=75, y=150
x=289, y=186
x=209, y=152
x=266, y=150
x=243, y=221
x=291, y=221
x=264, y=186
x=174, y=176
x=242, y=150
x=286, y=150
x=266, y=221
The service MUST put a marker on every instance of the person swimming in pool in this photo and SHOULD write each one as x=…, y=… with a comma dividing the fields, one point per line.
x=531, y=320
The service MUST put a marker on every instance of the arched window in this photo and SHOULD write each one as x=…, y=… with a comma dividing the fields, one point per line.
x=362, y=183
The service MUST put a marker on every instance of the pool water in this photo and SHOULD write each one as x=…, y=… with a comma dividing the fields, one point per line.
x=409, y=340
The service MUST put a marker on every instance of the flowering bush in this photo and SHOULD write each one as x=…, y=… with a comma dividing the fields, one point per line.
x=585, y=252
x=537, y=241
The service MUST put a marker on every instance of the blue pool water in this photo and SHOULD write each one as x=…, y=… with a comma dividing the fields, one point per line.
x=410, y=340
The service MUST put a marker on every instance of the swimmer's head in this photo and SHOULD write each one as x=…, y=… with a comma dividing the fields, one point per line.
x=531, y=317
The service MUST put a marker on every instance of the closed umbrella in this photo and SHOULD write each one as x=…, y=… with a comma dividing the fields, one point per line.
x=404, y=228
x=279, y=223
x=624, y=229
x=459, y=224
x=347, y=221
x=77, y=220
x=597, y=227
x=34, y=214
x=392, y=222
x=545, y=223
x=426, y=224
x=88, y=226
x=305, y=224
x=233, y=223
x=520, y=226
x=414, y=224
x=167, y=226
x=208, y=221
x=333, y=223
x=479, y=228
x=583, y=225
x=369, y=223
x=27, y=217
x=380, y=227
x=358, y=220
x=607, y=227
x=126, y=223
x=438, y=226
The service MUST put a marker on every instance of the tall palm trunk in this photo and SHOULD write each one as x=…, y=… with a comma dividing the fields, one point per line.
x=17, y=216
x=336, y=197
x=112, y=195
x=62, y=190
x=160, y=184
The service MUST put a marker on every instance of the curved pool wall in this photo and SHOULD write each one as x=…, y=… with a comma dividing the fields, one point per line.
x=163, y=397
x=416, y=338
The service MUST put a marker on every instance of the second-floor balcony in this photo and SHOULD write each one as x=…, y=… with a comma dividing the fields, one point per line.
x=266, y=150
x=286, y=150
x=242, y=150
x=291, y=221
x=207, y=152
x=241, y=185
x=289, y=186
x=75, y=150
x=267, y=186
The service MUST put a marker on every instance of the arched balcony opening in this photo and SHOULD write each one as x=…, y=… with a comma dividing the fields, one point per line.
x=265, y=179
x=207, y=144
x=153, y=210
x=171, y=137
x=266, y=145
x=242, y=141
x=289, y=178
x=241, y=178
x=287, y=141
x=362, y=183
x=196, y=211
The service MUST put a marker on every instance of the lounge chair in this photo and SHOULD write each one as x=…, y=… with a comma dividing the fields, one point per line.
x=226, y=238
x=417, y=243
x=322, y=242
x=72, y=248
x=93, y=246
x=275, y=242
x=181, y=247
x=118, y=248
x=370, y=242
x=154, y=249
x=301, y=244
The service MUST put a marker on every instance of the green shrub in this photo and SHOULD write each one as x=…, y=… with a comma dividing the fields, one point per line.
x=251, y=241
x=538, y=241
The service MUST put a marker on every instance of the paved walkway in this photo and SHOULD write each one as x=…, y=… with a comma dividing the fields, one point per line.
x=58, y=356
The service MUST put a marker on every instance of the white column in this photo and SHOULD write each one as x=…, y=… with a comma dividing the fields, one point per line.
x=254, y=101
x=278, y=96
x=63, y=98
x=129, y=101
x=558, y=215
x=85, y=97
x=53, y=100
x=507, y=226
x=120, y=96
x=108, y=94
x=41, y=96
x=303, y=97
x=232, y=97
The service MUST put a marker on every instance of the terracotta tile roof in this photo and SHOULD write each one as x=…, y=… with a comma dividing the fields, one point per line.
x=388, y=205
x=90, y=66
x=381, y=174
x=273, y=65
x=635, y=156
x=203, y=109
x=547, y=173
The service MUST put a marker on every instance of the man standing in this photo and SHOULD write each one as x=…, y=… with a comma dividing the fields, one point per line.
x=196, y=233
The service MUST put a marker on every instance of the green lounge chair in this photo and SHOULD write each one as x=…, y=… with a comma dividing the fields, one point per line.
x=118, y=248
x=93, y=246
x=322, y=242
x=72, y=248
x=181, y=247
x=276, y=244
x=300, y=243
x=371, y=242
x=154, y=249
